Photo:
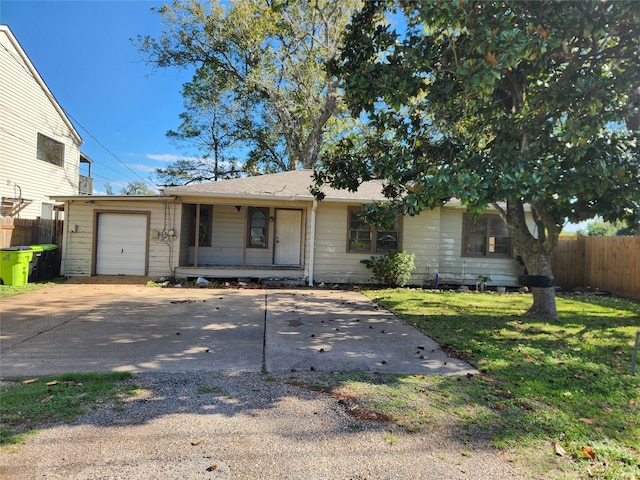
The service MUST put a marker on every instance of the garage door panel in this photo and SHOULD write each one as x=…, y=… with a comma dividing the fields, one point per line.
x=121, y=244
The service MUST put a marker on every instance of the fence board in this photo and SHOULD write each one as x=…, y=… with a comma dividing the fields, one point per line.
x=604, y=263
x=26, y=231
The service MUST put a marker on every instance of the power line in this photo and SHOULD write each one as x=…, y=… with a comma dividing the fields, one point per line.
x=27, y=70
x=106, y=149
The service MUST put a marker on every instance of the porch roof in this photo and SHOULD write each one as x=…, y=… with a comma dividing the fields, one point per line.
x=293, y=185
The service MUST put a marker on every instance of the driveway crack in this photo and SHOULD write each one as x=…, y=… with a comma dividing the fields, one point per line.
x=264, y=333
x=45, y=331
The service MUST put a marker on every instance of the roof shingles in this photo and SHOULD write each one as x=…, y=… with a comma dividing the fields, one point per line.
x=292, y=184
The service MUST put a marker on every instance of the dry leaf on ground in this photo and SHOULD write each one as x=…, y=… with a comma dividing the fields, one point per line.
x=588, y=421
x=588, y=452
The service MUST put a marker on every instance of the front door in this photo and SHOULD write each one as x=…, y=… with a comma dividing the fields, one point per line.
x=288, y=236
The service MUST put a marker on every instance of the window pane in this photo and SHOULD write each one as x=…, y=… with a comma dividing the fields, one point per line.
x=498, y=228
x=387, y=241
x=474, y=244
x=258, y=227
x=498, y=237
x=206, y=225
x=360, y=240
x=50, y=150
x=499, y=245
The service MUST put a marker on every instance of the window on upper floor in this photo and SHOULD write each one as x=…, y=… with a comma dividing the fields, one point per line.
x=485, y=236
x=369, y=239
x=258, y=218
x=50, y=150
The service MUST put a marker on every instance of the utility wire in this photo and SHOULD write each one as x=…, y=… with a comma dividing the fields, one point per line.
x=24, y=67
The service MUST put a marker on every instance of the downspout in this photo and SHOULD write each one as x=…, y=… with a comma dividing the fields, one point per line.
x=312, y=241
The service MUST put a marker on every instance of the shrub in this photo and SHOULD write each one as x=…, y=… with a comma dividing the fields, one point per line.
x=393, y=268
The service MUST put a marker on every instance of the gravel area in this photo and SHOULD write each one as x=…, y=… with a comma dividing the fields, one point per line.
x=243, y=426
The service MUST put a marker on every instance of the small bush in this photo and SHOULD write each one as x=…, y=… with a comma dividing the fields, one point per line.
x=393, y=268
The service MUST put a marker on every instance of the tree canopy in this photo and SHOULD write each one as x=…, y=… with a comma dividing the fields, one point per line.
x=131, y=188
x=515, y=104
x=266, y=57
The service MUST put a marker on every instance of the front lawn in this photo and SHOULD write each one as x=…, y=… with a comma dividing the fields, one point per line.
x=7, y=291
x=558, y=395
x=27, y=404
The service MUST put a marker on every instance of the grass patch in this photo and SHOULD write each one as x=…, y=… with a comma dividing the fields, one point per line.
x=543, y=382
x=7, y=291
x=28, y=404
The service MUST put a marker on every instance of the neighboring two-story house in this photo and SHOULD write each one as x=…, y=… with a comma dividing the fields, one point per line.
x=39, y=147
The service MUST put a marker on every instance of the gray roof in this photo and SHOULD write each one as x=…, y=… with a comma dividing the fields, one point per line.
x=292, y=185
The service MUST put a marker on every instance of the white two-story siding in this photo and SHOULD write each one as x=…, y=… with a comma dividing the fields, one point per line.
x=32, y=125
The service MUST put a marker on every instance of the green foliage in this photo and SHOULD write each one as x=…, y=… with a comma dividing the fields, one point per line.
x=565, y=381
x=497, y=104
x=132, y=188
x=212, y=124
x=29, y=404
x=599, y=228
x=266, y=57
x=392, y=268
x=7, y=291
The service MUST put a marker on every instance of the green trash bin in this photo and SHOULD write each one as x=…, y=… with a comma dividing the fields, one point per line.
x=14, y=265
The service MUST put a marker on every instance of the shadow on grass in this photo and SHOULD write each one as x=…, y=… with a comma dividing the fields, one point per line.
x=566, y=380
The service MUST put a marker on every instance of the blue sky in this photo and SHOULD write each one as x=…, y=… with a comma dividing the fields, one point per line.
x=120, y=106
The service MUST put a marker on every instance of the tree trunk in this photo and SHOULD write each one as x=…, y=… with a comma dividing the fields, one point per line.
x=536, y=254
x=544, y=303
x=544, y=299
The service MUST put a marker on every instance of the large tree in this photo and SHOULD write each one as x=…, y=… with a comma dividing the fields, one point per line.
x=211, y=125
x=515, y=104
x=271, y=54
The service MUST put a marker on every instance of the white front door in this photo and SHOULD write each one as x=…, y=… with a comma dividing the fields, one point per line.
x=288, y=236
x=121, y=244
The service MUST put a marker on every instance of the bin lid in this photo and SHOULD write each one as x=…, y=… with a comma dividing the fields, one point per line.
x=37, y=248
x=13, y=249
x=45, y=246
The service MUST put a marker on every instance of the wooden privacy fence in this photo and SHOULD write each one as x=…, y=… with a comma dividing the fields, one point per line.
x=24, y=231
x=603, y=263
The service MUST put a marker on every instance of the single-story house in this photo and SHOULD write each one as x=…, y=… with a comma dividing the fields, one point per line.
x=272, y=227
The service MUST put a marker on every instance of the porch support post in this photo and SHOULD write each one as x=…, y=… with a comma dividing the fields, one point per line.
x=244, y=238
x=312, y=241
x=196, y=251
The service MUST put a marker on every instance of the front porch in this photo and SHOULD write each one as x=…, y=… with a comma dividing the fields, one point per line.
x=254, y=273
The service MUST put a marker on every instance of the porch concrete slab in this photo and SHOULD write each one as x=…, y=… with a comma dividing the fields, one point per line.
x=114, y=327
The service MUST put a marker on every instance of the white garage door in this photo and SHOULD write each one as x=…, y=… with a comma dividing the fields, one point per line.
x=121, y=244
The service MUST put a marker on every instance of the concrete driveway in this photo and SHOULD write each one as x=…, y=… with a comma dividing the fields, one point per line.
x=105, y=327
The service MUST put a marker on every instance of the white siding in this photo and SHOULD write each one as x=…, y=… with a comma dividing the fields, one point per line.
x=458, y=270
x=420, y=235
x=332, y=261
x=26, y=111
x=78, y=251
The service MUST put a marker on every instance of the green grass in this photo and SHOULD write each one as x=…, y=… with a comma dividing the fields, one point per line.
x=566, y=381
x=27, y=405
x=7, y=291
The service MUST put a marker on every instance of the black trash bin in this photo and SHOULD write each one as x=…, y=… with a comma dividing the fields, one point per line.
x=49, y=265
x=36, y=263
